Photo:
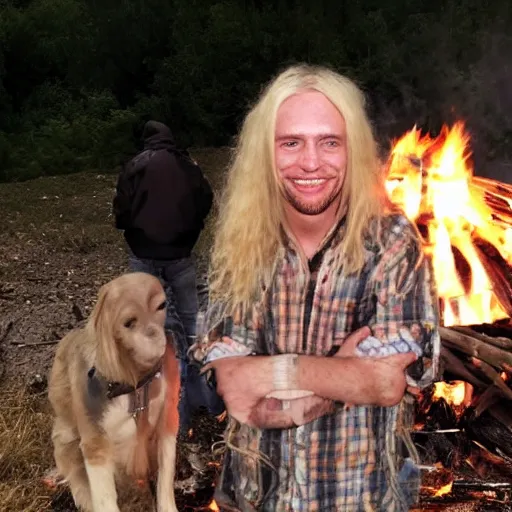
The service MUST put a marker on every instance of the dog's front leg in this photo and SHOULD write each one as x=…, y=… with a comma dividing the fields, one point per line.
x=100, y=471
x=166, y=469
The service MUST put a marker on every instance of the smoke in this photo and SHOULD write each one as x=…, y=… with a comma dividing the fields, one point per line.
x=444, y=90
x=486, y=105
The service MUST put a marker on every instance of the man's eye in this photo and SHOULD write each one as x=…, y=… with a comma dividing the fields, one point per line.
x=290, y=144
x=130, y=323
x=162, y=305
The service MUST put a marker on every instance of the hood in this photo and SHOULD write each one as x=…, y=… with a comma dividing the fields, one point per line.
x=157, y=136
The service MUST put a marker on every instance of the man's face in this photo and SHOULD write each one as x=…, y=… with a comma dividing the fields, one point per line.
x=311, y=152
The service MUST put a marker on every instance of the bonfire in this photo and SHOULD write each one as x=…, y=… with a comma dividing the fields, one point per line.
x=466, y=226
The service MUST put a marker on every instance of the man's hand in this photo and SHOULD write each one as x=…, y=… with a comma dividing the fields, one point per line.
x=349, y=346
x=388, y=377
x=243, y=382
x=274, y=413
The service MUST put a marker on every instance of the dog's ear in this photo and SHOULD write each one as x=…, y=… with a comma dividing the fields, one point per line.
x=112, y=360
x=96, y=321
x=101, y=329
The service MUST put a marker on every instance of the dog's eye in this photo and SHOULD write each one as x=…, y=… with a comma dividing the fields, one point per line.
x=130, y=323
x=162, y=305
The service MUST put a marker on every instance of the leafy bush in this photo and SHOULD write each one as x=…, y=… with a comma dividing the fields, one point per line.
x=57, y=137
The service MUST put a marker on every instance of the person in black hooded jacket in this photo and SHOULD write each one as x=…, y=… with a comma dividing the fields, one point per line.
x=162, y=199
x=171, y=200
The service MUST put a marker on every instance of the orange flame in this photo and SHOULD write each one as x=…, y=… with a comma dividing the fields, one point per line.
x=454, y=393
x=213, y=506
x=444, y=490
x=458, y=395
x=431, y=179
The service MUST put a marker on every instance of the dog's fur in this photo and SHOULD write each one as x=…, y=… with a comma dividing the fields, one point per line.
x=96, y=438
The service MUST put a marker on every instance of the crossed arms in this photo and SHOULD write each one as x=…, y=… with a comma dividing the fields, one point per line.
x=405, y=301
x=245, y=383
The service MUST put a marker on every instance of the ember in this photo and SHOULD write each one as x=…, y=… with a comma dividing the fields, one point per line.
x=453, y=393
x=444, y=490
x=457, y=394
x=213, y=506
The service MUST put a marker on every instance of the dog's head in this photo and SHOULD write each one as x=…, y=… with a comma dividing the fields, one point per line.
x=127, y=323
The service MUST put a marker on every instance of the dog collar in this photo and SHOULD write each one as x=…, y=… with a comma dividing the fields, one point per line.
x=139, y=398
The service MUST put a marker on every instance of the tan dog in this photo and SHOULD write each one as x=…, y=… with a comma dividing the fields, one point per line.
x=114, y=388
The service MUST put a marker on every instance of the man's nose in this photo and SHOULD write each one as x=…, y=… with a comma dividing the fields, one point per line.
x=310, y=157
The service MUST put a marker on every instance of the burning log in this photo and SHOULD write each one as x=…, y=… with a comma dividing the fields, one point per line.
x=463, y=269
x=487, y=399
x=475, y=358
x=481, y=362
x=494, y=377
x=498, y=270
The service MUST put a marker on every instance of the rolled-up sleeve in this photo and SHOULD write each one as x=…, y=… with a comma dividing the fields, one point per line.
x=225, y=335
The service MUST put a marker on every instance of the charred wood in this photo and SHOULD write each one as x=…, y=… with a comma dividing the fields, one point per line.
x=488, y=398
x=463, y=269
x=488, y=431
x=499, y=329
x=498, y=270
x=458, y=369
x=502, y=413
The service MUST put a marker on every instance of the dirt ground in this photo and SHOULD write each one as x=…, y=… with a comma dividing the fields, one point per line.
x=57, y=247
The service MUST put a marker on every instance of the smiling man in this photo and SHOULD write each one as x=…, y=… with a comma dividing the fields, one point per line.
x=323, y=310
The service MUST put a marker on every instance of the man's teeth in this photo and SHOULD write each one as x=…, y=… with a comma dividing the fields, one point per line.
x=309, y=182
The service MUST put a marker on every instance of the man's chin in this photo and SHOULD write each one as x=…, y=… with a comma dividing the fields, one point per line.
x=309, y=209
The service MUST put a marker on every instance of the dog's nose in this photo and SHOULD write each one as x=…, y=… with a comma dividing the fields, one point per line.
x=151, y=331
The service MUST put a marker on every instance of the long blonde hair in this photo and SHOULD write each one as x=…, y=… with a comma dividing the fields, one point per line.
x=248, y=231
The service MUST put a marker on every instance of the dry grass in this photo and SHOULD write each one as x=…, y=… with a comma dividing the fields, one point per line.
x=25, y=451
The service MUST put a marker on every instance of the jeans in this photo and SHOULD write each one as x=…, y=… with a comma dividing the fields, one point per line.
x=178, y=277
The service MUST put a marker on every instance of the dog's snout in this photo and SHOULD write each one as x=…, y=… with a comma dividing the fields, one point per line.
x=151, y=331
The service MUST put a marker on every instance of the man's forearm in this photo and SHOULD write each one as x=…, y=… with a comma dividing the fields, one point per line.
x=244, y=382
x=347, y=379
x=353, y=380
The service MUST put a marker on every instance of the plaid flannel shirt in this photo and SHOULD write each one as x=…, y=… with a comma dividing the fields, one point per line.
x=358, y=458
